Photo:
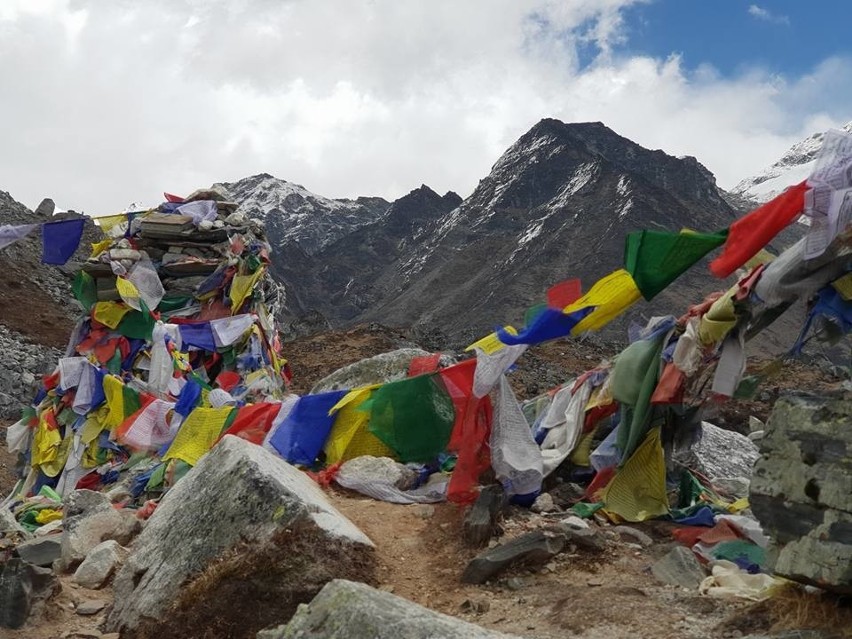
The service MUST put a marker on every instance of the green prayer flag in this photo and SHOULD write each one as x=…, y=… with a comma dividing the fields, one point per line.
x=414, y=417
x=655, y=259
x=138, y=324
x=85, y=290
x=533, y=312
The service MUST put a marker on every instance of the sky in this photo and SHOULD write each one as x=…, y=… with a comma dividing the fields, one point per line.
x=108, y=103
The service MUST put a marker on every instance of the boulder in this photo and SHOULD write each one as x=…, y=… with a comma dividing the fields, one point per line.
x=100, y=564
x=386, y=367
x=368, y=469
x=9, y=525
x=347, y=610
x=720, y=453
x=533, y=548
x=679, y=567
x=801, y=490
x=254, y=513
x=22, y=586
x=16, y=594
x=42, y=551
x=88, y=519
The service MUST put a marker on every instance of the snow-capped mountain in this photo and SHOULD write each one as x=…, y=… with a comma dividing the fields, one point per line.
x=793, y=167
x=294, y=214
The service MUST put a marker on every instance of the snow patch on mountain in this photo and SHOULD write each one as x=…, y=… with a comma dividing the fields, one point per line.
x=793, y=167
x=292, y=213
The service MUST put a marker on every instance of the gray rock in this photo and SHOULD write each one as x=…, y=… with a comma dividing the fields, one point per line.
x=41, y=551
x=386, y=367
x=92, y=607
x=719, y=453
x=533, y=548
x=384, y=470
x=544, y=504
x=100, y=564
x=89, y=518
x=679, y=567
x=801, y=490
x=237, y=493
x=348, y=610
x=16, y=594
x=754, y=424
x=733, y=486
x=632, y=533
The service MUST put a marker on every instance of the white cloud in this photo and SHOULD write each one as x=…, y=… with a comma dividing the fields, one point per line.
x=108, y=103
x=766, y=15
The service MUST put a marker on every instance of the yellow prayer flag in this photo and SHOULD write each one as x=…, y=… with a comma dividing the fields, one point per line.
x=110, y=314
x=107, y=222
x=99, y=247
x=719, y=319
x=844, y=286
x=491, y=344
x=128, y=292
x=241, y=288
x=114, y=394
x=45, y=446
x=611, y=296
x=638, y=490
x=763, y=257
x=198, y=433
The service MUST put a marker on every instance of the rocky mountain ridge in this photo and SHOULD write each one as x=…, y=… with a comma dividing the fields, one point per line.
x=793, y=167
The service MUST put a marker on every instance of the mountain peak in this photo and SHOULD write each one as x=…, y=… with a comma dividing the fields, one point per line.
x=794, y=166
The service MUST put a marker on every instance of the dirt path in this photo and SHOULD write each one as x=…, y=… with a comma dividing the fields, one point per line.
x=609, y=596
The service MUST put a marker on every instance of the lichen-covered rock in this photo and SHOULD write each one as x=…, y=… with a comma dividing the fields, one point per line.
x=801, y=490
x=238, y=494
x=88, y=519
x=348, y=610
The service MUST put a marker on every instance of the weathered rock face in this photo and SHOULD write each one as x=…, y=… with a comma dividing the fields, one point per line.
x=22, y=586
x=100, y=564
x=237, y=494
x=801, y=490
x=720, y=454
x=89, y=519
x=347, y=610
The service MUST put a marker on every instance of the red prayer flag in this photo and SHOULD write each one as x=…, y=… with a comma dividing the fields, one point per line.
x=253, y=422
x=172, y=198
x=424, y=364
x=564, y=293
x=755, y=230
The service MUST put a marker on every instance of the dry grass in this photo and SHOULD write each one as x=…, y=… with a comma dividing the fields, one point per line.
x=793, y=608
x=255, y=586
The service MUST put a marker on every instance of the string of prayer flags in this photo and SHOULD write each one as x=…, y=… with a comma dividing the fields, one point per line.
x=752, y=232
x=302, y=434
x=609, y=297
x=548, y=324
x=655, y=259
x=60, y=240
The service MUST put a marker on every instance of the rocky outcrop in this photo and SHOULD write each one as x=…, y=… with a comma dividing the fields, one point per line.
x=347, y=610
x=719, y=454
x=380, y=369
x=801, y=490
x=238, y=499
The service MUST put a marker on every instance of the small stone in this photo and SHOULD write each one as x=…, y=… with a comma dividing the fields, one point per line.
x=756, y=436
x=424, y=511
x=574, y=522
x=515, y=583
x=478, y=606
x=100, y=564
x=633, y=534
x=679, y=567
x=543, y=504
x=91, y=607
x=594, y=583
x=386, y=588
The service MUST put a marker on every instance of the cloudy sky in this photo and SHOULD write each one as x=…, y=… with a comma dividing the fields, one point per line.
x=113, y=101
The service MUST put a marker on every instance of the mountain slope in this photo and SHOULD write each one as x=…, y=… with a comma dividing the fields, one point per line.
x=557, y=204
x=793, y=167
